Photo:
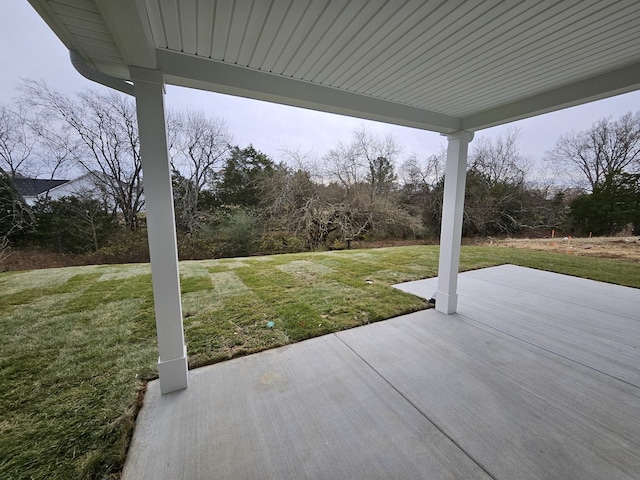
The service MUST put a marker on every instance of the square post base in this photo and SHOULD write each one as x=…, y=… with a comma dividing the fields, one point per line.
x=173, y=374
x=447, y=304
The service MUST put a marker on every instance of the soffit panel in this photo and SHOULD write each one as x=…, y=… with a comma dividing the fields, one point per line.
x=385, y=28
x=189, y=26
x=472, y=94
x=538, y=80
x=507, y=49
x=543, y=52
x=81, y=27
x=238, y=32
x=171, y=15
x=454, y=57
x=460, y=68
x=83, y=34
x=470, y=55
x=81, y=9
x=401, y=38
x=437, y=40
x=548, y=62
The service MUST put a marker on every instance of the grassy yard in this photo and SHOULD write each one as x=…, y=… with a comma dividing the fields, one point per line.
x=78, y=343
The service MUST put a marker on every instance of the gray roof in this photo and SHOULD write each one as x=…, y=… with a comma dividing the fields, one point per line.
x=32, y=187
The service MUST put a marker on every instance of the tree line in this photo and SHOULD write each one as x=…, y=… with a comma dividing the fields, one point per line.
x=235, y=200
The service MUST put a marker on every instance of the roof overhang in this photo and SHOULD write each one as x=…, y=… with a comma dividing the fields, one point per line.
x=441, y=66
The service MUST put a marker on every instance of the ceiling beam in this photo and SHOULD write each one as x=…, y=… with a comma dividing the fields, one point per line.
x=616, y=82
x=204, y=73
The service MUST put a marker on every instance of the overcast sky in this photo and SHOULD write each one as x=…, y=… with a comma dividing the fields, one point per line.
x=29, y=49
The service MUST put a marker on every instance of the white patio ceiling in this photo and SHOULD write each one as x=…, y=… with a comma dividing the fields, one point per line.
x=441, y=65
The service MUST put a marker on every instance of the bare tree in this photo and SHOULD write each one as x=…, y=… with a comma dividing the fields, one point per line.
x=198, y=146
x=421, y=177
x=420, y=190
x=284, y=193
x=55, y=152
x=351, y=199
x=608, y=148
x=343, y=165
x=103, y=136
x=499, y=159
x=29, y=146
x=25, y=150
x=321, y=219
x=307, y=161
x=15, y=216
x=366, y=162
x=497, y=200
x=379, y=155
x=17, y=141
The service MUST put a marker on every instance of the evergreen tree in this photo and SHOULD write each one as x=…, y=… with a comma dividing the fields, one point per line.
x=239, y=181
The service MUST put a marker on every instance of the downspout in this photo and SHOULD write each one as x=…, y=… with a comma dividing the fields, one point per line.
x=95, y=76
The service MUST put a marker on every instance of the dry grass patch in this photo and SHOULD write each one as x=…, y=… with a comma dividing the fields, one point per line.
x=122, y=272
x=305, y=270
x=624, y=248
x=14, y=282
x=192, y=268
x=227, y=284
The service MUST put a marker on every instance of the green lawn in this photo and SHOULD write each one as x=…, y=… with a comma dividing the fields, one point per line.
x=78, y=343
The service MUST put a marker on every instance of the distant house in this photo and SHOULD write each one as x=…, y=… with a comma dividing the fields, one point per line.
x=33, y=189
x=89, y=185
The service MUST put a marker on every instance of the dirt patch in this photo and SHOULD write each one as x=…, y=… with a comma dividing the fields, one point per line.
x=626, y=248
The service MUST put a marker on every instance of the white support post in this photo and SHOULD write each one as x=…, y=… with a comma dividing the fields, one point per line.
x=172, y=361
x=451, y=229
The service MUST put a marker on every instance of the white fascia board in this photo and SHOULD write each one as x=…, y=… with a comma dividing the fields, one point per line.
x=606, y=85
x=114, y=70
x=30, y=200
x=206, y=74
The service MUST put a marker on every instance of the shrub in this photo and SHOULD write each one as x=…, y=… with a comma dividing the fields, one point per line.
x=195, y=247
x=71, y=225
x=125, y=247
x=281, y=242
x=235, y=233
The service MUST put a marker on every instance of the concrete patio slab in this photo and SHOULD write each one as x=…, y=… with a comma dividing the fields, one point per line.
x=528, y=381
x=310, y=410
x=599, y=296
x=518, y=410
x=593, y=323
